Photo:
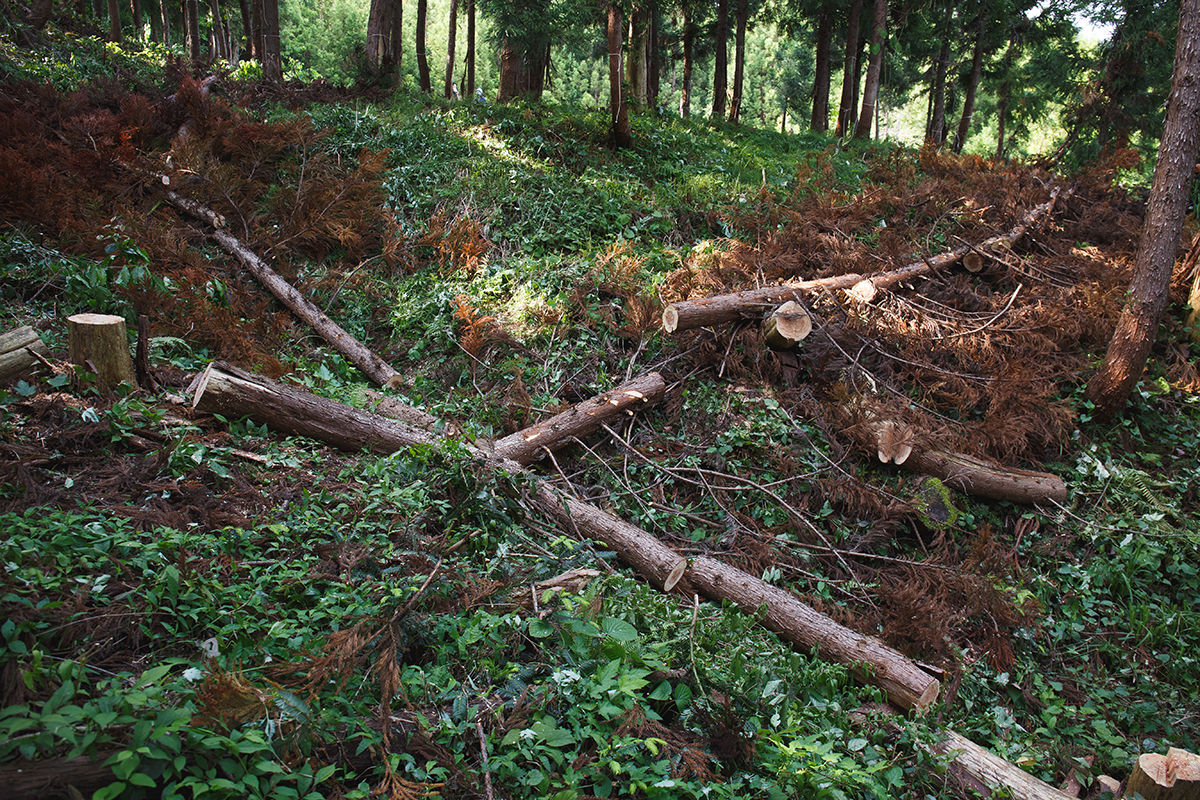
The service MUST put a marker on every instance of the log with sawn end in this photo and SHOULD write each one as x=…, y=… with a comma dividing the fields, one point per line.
x=355, y=351
x=231, y=392
x=688, y=314
x=581, y=419
x=20, y=349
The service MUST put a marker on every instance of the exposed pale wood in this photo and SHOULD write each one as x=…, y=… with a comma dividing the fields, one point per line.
x=358, y=354
x=1106, y=783
x=689, y=314
x=1175, y=776
x=787, y=326
x=98, y=343
x=233, y=393
x=976, y=771
x=398, y=409
x=17, y=352
x=579, y=420
x=973, y=261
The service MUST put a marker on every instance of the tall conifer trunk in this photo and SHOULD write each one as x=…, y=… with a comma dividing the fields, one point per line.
x=721, y=61
x=622, y=133
x=968, y=111
x=689, y=52
x=821, y=73
x=470, y=48
x=849, y=105
x=739, y=60
x=453, y=24
x=422, y=56
x=870, y=99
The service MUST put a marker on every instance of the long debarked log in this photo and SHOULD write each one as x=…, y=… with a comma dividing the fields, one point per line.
x=977, y=771
x=232, y=392
x=19, y=351
x=973, y=476
x=529, y=445
x=689, y=314
x=358, y=354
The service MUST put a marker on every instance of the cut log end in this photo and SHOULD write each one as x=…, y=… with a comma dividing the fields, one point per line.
x=928, y=697
x=1175, y=776
x=862, y=292
x=394, y=382
x=787, y=326
x=675, y=575
x=98, y=342
x=973, y=261
x=670, y=319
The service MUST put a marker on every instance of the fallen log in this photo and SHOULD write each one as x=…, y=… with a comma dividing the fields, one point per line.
x=529, y=445
x=98, y=343
x=358, y=354
x=231, y=392
x=720, y=309
x=957, y=470
x=20, y=349
x=978, y=772
x=1175, y=776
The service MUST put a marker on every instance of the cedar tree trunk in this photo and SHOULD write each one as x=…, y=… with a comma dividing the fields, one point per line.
x=470, y=49
x=721, y=61
x=846, y=111
x=820, y=106
x=450, y=48
x=114, y=21
x=874, y=70
x=422, y=56
x=968, y=111
x=622, y=133
x=1138, y=325
x=272, y=62
x=739, y=60
x=689, y=62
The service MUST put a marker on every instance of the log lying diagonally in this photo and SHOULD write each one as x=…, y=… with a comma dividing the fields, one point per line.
x=724, y=308
x=234, y=393
x=20, y=349
x=358, y=354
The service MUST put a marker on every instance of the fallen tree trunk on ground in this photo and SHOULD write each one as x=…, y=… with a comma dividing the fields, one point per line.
x=55, y=777
x=20, y=350
x=358, y=354
x=579, y=420
x=720, y=309
x=977, y=771
x=230, y=392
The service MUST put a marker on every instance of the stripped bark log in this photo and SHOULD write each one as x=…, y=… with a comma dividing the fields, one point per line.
x=724, y=308
x=359, y=354
x=529, y=445
x=19, y=351
x=232, y=392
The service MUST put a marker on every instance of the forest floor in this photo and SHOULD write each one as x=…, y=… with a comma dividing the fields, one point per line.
x=194, y=602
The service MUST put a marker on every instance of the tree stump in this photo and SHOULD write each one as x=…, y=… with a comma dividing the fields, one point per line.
x=97, y=342
x=19, y=350
x=1175, y=776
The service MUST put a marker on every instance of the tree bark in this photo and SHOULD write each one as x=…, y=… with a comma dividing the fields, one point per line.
x=689, y=314
x=637, y=63
x=17, y=352
x=55, y=777
x=422, y=56
x=272, y=62
x=470, y=49
x=114, y=21
x=371, y=365
x=846, y=111
x=739, y=60
x=453, y=25
x=231, y=392
x=874, y=71
x=968, y=110
x=976, y=771
x=529, y=445
x=99, y=344
x=622, y=133
x=192, y=17
x=822, y=71
x=689, y=53
x=935, y=131
x=510, y=72
x=39, y=14
x=1175, y=776
x=227, y=390
x=721, y=61
x=1138, y=325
